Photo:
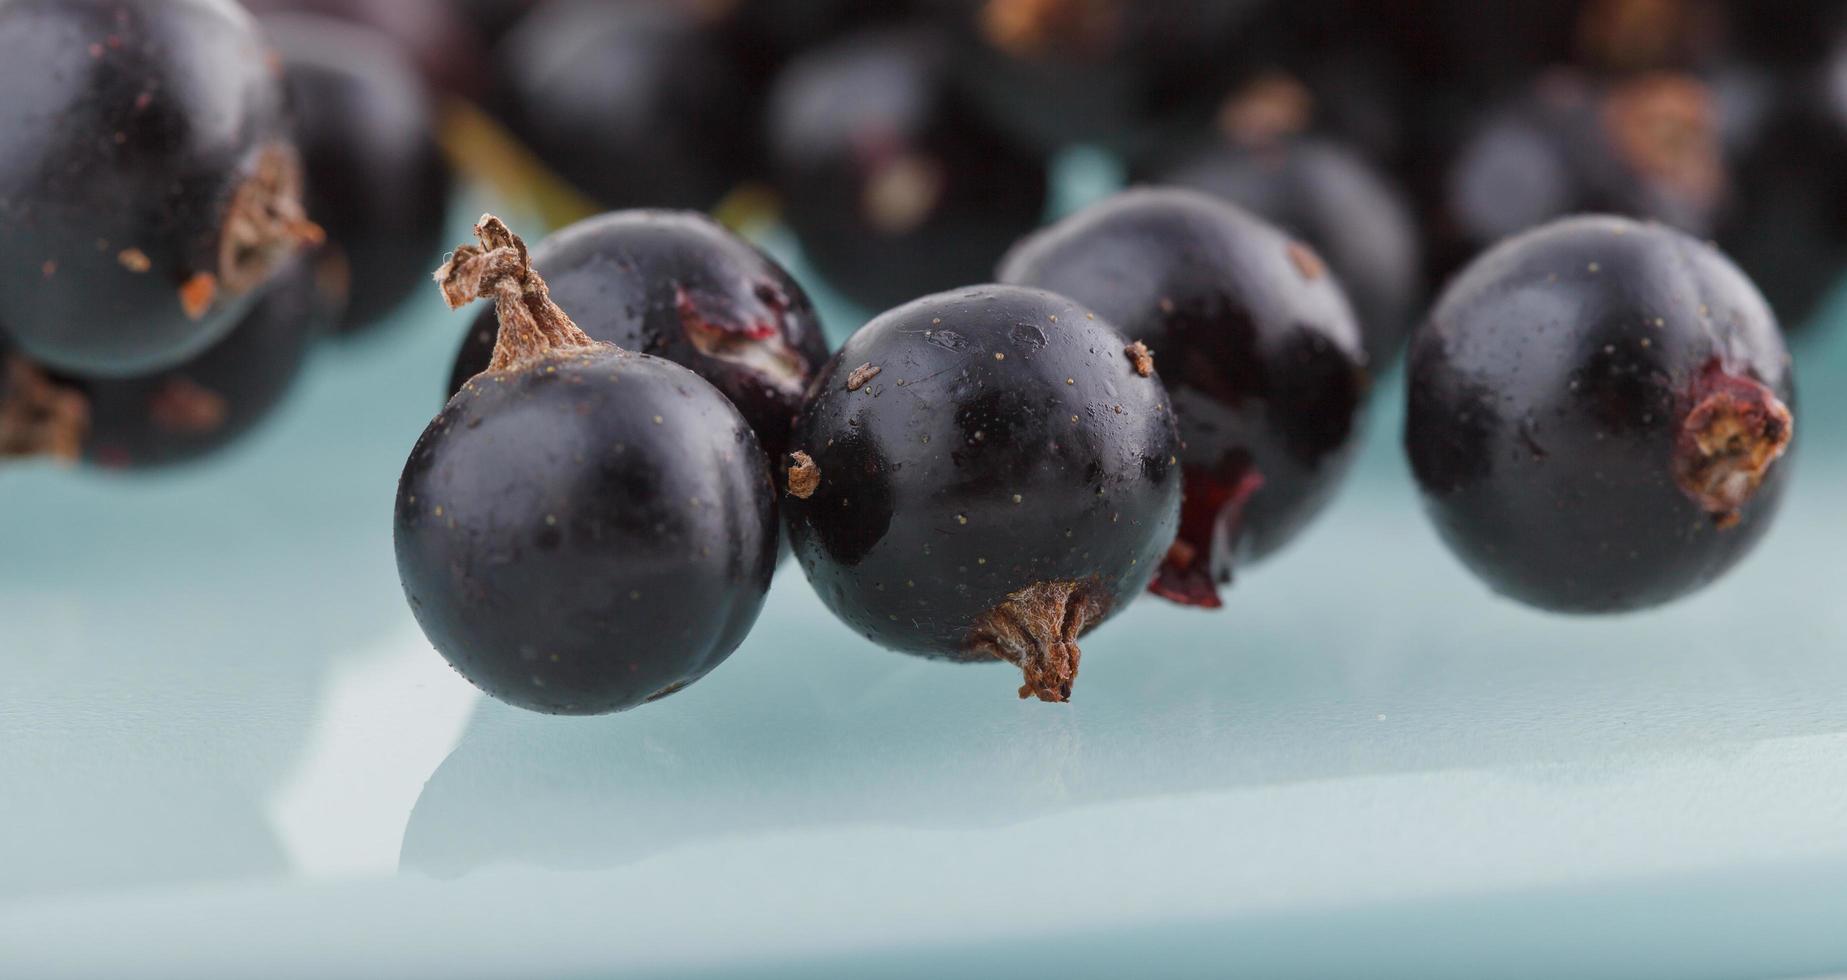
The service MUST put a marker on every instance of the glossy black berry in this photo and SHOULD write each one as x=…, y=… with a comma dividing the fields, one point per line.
x=1793, y=33
x=582, y=529
x=376, y=179
x=493, y=19
x=634, y=102
x=438, y=35
x=1787, y=227
x=1351, y=213
x=1259, y=349
x=1647, y=146
x=981, y=474
x=676, y=284
x=762, y=35
x=1057, y=72
x=148, y=188
x=1598, y=409
x=193, y=410
x=894, y=183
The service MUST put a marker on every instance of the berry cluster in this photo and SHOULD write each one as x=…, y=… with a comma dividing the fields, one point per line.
x=1150, y=394
x=189, y=197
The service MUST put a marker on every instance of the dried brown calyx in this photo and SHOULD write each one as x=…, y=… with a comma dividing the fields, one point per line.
x=1635, y=35
x=1044, y=29
x=499, y=268
x=804, y=475
x=264, y=225
x=1141, y=357
x=38, y=416
x=861, y=375
x=1036, y=629
x=1266, y=111
x=1666, y=126
x=901, y=191
x=1728, y=442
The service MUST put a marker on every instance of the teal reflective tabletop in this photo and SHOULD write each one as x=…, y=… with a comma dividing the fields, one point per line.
x=227, y=751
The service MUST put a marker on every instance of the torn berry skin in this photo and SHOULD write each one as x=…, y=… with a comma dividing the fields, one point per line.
x=677, y=285
x=376, y=180
x=583, y=529
x=148, y=188
x=1003, y=483
x=1600, y=415
x=1257, y=344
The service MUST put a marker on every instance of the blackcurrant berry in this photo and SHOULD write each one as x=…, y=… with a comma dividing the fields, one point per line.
x=1057, y=72
x=1262, y=356
x=438, y=35
x=1795, y=33
x=1331, y=197
x=893, y=182
x=633, y=102
x=678, y=285
x=1598, y=408
x=376, y=178
x=1646, y=146
x=582, y=529
x=762, y=35
x=148, y=187
x=193, y=410
x=1788, y=226
x=987, y=473
x=493, y=19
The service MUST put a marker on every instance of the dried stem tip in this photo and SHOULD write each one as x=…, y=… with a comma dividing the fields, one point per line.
x=264, y=225
x=1736, y=430
x=1036, y=629
x=861, y=375
x=1141, y=357
x=38, y=416
x=499, y=268
x=804, y=475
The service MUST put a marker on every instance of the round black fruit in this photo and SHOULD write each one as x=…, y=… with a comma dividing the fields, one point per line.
x=582, y=529
x=1260, y=350
x=982, y=474
x=441, y=37
x=194, y=410
x=148, y=188
x=1348, y=211
x=1598, y=414
x=678, y=285
x=894, y=183
x=1646, y=146
x=633, y=102
x=376, y=178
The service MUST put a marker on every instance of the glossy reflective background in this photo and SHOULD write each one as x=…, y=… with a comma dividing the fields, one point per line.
x=226, y=750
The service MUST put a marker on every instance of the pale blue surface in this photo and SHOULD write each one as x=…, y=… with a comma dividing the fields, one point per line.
x=225, y=750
